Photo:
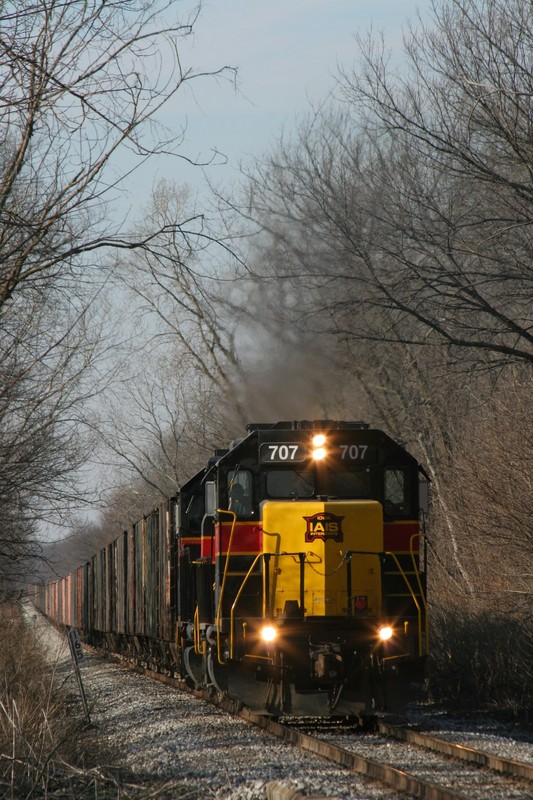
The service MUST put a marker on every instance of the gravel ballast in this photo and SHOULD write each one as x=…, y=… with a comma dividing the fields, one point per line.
x=159, y=739
x=157, y=736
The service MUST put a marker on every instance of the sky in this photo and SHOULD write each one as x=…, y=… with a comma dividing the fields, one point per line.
x=287, y=53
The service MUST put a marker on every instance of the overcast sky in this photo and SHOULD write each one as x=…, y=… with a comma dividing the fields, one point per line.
x=287, y=53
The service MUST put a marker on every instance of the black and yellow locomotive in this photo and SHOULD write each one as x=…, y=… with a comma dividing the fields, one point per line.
x=289, y=573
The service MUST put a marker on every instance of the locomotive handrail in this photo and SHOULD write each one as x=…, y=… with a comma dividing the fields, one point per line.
x=413, y=596
x=266, y=576
x=347, y=558
x=223, y=587
x=301, y=561
x=416, y=535
x=199, y=645
x=224, y=578
x=234, y=604
x=264, y=556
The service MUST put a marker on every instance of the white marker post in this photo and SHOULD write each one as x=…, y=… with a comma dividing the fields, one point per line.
x=76, y=652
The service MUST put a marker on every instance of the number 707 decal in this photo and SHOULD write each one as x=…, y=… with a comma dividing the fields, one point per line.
x=283, y=452
x=353, y=452
x=287, y=452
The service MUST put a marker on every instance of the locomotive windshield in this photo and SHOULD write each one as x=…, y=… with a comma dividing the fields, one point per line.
x=287, y=483
x=345, y=484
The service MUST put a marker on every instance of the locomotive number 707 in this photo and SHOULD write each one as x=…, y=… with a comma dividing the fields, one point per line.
x=353, y=452
x=282, y=452
x=286, y=452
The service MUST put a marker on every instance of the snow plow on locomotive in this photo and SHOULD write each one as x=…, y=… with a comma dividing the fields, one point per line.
x=289, y=574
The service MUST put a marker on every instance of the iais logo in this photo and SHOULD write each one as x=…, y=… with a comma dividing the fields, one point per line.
x=324, y=525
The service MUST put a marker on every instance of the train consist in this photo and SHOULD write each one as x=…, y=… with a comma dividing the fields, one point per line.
x=289, y=574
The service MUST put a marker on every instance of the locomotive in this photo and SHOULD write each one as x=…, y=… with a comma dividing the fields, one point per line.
x=289, y=574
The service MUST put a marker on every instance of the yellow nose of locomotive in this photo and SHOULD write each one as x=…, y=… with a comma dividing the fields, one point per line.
x=310, y=550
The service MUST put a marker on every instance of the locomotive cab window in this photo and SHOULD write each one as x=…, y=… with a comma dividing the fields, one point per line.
x=288, y=483
x=346, y=484
x=240, y=492
x=191, y=513
x=396, y=492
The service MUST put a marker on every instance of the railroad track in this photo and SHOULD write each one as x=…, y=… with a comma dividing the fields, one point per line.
x=489, y=776
x=458, y=751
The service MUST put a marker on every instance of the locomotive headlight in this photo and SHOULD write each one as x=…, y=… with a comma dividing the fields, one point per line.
x=385, y=633
x=319, y=454
x=268, y=633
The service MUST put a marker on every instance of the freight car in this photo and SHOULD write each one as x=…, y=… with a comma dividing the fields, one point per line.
x=289, y=574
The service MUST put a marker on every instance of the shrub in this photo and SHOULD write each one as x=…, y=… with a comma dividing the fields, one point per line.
x=481, y=658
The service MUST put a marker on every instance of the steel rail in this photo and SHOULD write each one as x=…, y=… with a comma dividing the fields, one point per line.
x=395, y=778
x=460, y=752
x=392, y=777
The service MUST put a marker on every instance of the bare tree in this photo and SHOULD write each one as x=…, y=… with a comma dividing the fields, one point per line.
x=179, y=287
x=173, y=364
x=453, y=185
x=81, y=87
x=493, y=481
x=160, y=428
x=47, y=352
x=398, y=222
x=413, y=194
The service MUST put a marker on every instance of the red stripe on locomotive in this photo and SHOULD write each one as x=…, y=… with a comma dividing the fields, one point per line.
x=247, y=538
x=397, y=536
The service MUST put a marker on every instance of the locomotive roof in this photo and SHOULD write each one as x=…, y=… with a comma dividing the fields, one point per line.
x=306, y=424
x=294, y=430
x=261, y=430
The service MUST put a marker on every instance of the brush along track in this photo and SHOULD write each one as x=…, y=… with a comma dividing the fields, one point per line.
x=484, y=784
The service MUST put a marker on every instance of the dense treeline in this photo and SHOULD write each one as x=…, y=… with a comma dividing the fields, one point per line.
x=377, y=265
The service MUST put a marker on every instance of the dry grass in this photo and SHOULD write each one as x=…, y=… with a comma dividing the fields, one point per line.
x=40, y=753
x=46, y=749
x=34, y=726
